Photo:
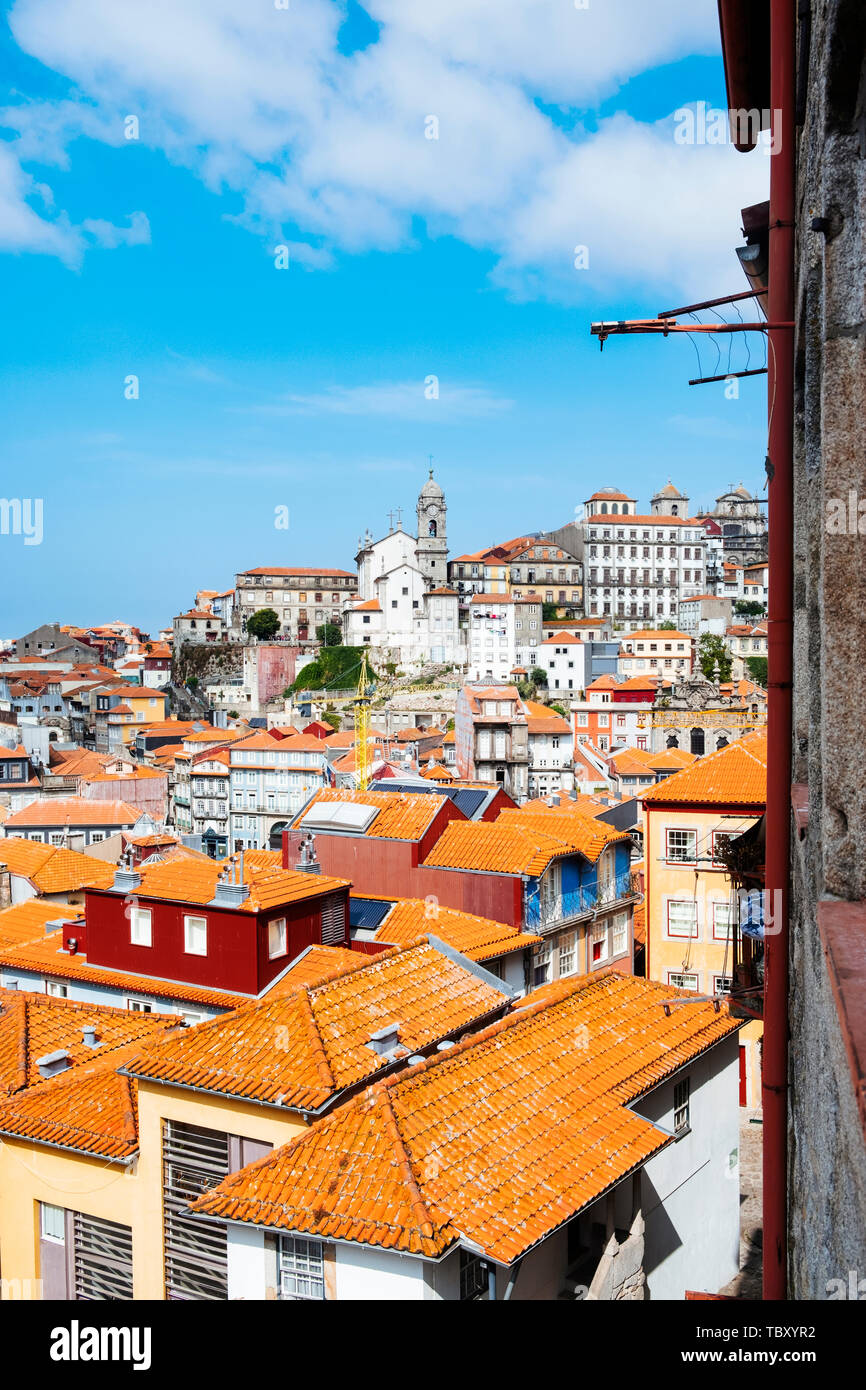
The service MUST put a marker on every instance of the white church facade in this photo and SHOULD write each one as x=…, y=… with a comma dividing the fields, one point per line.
x=405, y=612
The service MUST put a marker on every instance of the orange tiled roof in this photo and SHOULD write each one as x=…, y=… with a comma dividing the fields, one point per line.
x=402, y=815
x=479, y=938
x=28, y=921
x=314, y=966
x=737, y=775
x=498, y=1141
x=75, y=810
x=92, y=1108
x=584, y=833
x=326, y=1029
x=33, y=1025
x=44, y=955
x=195, y=881
x=53, y=869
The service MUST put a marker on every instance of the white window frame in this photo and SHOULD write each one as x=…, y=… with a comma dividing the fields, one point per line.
x=718, y=933
x=688, y=837
x=282, y=940
x=301, y=1268
x=191, y=924
x=48, y=1224
x=599, y=935
x=692, y=933
x=139, y=1006
x=568, y=953
x=56, y=989
x=619, y=934
x=140, y=926
x=676, y=978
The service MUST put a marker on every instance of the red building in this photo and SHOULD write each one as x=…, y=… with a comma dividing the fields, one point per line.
x=230, y=927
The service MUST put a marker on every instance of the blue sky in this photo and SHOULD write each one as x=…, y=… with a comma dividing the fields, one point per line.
x=409, y=258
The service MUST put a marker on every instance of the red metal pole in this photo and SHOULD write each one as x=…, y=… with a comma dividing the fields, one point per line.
x=780, y=645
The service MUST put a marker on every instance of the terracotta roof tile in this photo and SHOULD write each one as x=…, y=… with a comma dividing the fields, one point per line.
x=499, y=1140
x=479, y=938
x=326, y=1030
x=45, y=956
x=33, y=1025
x=402, y=815
x=28, y=921
x=736, y=775
x=75, y=810
x=54, y=869
x=195, y=881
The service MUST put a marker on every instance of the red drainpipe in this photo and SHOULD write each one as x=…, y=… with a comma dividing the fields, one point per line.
x=780, y=645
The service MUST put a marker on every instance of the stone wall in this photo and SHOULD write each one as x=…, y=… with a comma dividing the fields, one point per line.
x=827, y=1158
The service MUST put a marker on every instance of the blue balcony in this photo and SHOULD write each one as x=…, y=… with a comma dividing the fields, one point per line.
x=543, y=916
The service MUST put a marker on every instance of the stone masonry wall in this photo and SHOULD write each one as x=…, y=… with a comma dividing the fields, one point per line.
x=827, y=1159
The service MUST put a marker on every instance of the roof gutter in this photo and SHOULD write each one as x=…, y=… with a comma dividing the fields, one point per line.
x=69, y=1148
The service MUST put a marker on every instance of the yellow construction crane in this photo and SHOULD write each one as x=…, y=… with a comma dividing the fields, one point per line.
x=361, y=703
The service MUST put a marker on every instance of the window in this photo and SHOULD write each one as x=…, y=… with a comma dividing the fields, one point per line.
x=301, y=1268
x=139, y=1006
x=195, y=936
x=53, y=1223
x=277, y=938
x=620, y=933
x=568, y=953
x=723, y=921
x=140, y=926
x=681, y=1104
x=56, y=989
x=56, y=837
x=681, y=981
x=541, y=964
x=474, y=1281
x=599, y=943
x=682, y=919
x=681, y=846
x=723, y=984
x=96, y=836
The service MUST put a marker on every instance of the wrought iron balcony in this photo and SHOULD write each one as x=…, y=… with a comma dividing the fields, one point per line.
x=578, y=902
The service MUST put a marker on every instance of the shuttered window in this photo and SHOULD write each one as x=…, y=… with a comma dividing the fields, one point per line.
x=194, y=1160
x=102, y=1256
x=333, y=921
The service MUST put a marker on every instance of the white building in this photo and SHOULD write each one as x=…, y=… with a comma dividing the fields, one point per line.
x=504, y=633
x=639, y=567
x=704, y=613
x=658, y=652
x=645, y=1204
x=270, y=780
x=404, y=610
x=745, y=640
x=563, y=658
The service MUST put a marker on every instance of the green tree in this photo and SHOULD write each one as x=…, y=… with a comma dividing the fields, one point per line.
x=666, y=626
x=757, y=669
x=537, y=676
x=264, y=624
x=550, y=612
x=329, y=634
x=192, y=683
x=330, y=716
x=713, y=655
x=749, y=608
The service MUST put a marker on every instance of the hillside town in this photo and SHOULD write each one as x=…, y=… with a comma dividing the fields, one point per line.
x=423, y=815
x=392, y=922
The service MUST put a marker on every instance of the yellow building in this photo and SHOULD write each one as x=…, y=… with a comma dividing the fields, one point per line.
x=692, y=906
x=98, y=1165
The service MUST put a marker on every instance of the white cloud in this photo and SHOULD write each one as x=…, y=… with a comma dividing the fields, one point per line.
x=405, y=400
x=328, y=151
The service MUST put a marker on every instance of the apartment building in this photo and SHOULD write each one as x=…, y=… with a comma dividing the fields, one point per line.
x=657, y=652
x=639, y=566
x=271, y=779
x=303, y=598
x=504, y=633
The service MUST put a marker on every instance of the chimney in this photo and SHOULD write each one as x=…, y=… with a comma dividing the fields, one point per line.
x=307, y=861
x=231, y=890
x=53, y=1063
x=89, y=1035
x=5, y=887
x=386, y=1042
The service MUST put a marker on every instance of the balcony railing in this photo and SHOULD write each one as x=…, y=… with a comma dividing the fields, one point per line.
x=578, y=902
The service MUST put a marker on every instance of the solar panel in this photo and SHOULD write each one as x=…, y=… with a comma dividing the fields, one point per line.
x=367, y=912
x=467, y=800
